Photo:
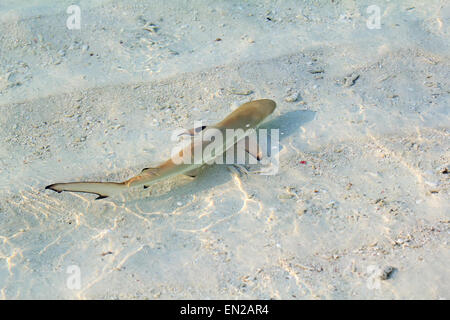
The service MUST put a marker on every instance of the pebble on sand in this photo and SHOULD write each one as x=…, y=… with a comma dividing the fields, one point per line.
x=350, y=79
x=387, y=272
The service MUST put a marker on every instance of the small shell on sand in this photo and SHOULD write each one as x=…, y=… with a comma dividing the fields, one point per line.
x=241, y=92
x=150, y=27
x=316, y=71
x=285, y=196
x=292, y=97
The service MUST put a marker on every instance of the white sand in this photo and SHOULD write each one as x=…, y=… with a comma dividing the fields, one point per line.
x=362, y=183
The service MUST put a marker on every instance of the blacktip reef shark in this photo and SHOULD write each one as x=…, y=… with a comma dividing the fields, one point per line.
x=246, y=117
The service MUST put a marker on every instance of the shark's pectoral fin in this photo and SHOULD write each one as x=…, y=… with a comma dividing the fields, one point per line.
x=253, y=149
x=192, y=132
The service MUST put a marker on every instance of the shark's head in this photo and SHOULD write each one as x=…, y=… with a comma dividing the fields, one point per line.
x=249, y=115
x=261, y=108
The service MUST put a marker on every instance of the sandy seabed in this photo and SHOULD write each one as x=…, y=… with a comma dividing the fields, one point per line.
x=358, y=209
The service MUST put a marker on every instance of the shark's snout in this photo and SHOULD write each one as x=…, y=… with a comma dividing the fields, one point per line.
x=267, y=105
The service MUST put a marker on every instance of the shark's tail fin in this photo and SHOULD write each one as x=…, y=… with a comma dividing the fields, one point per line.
x=102, y=189
x=106, y=189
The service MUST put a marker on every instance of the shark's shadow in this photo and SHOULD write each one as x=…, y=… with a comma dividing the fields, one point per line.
x=215, y=175
x=289, y=122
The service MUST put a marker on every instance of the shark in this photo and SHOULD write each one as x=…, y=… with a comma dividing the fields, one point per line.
x=243, y=120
